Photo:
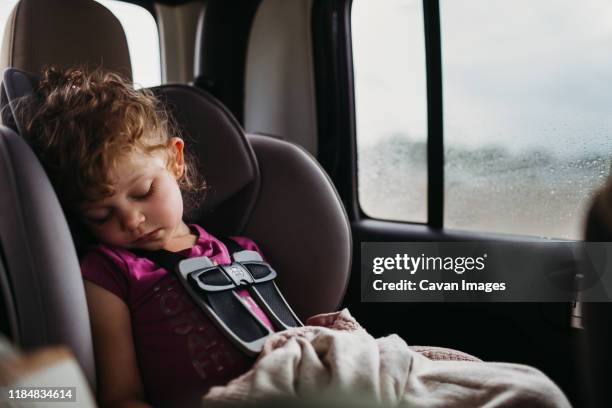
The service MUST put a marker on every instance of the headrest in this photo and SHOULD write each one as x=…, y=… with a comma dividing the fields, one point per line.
x=64, y=33
x=598, y=225
x=16, y=84
x=226, y=159
x=211, y=133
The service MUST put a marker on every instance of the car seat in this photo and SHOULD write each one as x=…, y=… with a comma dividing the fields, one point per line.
x=264, y=188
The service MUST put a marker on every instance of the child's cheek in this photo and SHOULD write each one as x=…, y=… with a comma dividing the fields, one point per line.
x=174, y=204
x=178, y=205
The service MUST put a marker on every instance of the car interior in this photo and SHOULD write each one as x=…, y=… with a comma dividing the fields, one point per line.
x=263, y=91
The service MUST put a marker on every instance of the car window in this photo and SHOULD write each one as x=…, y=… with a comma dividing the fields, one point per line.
x=391, y=108
x=527, y=129
x=527, y=113
x=143, y=41
x=6, y=6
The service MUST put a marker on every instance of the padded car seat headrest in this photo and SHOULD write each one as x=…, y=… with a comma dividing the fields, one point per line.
x=40, y=33
x=16, y=84
x=226, y=159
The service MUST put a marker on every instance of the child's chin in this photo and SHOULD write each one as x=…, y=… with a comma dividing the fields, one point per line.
x=150, y=246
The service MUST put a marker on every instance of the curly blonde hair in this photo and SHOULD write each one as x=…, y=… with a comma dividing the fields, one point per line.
x=81, y=122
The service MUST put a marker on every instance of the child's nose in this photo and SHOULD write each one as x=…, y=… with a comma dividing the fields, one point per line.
x=132, y=220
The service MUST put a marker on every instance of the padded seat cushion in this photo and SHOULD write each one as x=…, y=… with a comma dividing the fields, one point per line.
x=44, y=275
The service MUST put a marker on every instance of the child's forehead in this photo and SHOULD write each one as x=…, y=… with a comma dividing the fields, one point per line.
x=128, y=171
x=134, y=162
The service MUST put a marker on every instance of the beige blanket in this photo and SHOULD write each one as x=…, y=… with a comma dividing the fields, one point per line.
x=334, y=354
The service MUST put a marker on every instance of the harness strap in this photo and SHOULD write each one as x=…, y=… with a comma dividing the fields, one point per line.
x=268, y=293
x=214, y=288
x=226, y=304
x=232, y=246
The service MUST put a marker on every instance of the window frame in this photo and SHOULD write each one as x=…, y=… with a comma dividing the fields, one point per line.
x=332, y=47
x=435, y=114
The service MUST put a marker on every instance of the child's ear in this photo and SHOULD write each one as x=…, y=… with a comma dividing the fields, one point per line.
x=176, y=146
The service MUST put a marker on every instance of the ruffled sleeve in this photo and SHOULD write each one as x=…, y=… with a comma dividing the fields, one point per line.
x=105, y=269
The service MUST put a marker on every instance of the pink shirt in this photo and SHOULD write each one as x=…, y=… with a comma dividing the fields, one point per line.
x=181, y=353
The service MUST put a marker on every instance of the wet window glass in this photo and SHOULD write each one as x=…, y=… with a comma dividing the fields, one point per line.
x=391, y=108
x=527, y=123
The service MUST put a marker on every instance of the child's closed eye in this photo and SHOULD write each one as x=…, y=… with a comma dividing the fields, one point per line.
x=99, y=220
x=146, y=194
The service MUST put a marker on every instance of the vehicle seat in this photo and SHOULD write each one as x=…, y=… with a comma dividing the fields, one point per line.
x=64, y=33
x=260, y=187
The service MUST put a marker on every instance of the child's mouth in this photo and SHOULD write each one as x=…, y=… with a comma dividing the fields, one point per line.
x=148, y=237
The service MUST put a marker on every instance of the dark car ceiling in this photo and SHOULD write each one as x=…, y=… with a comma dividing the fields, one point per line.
x=149, y=3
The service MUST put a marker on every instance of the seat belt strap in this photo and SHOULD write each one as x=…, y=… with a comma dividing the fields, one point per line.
x=214, y=288
x=232, y=246
x=225, y=307
x=269, y=295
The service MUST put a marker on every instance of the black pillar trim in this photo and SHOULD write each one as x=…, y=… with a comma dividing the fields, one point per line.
x=435, y=132
x=333, y=69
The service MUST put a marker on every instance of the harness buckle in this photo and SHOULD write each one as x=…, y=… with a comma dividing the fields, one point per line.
x=238, y=274
x=214, y=288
